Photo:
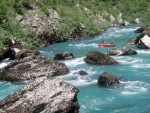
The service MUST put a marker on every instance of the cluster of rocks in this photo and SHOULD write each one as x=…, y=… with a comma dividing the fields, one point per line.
x=15, y=50
x=48, y=93
x=121, y=51
x=143, y=40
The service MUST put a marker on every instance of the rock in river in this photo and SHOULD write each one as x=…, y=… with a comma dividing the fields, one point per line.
x=121, y=51
x=64, y=56
x=144, y=42
x=107, y=79
x=42, y=96
x=96, y=57
x=31, y=68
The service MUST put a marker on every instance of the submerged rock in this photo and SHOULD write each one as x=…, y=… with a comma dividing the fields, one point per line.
x=32, y=67
x=64, y=56
x=82, y=72
x=107, y=79
x=122, y=51
x=96, y=57
x=42, y=96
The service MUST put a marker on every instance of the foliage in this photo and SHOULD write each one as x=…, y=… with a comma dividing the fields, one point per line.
x=73, y=13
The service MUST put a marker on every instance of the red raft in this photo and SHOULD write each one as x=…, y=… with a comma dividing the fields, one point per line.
x=106, y=45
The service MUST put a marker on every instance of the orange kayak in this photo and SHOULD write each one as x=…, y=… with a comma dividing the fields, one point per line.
x=106, y=45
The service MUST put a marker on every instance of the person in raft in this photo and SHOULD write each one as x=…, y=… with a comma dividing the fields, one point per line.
x=103, y=42
x=112, y=42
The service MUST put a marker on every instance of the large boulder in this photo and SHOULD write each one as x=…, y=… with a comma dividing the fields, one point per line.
x=96, y=57
x=64, y=56
x=121, y=51
x=145, y=32
x=42, y=96
x=144, y=42
x=107, y=79
x=32, y=67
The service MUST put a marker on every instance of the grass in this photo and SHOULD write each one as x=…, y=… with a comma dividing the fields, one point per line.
x=72, y=13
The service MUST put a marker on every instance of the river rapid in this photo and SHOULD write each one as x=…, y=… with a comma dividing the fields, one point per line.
x=130, y=96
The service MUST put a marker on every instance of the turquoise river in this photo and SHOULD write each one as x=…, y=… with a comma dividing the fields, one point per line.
x=130, y=96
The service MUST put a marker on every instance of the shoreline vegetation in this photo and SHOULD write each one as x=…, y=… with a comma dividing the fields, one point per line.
x=43, y=22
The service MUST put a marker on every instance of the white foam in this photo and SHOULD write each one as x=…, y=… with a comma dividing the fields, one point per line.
x=135, y=87
x=47, y=53
x=143, y=51
x=83, y=45
x=128, y=93
x=3, y=64
x=127, y=60
x=74, y=62
x=81, y=82
x=141, y=66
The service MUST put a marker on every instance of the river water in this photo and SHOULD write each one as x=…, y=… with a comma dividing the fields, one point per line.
x=130, y=96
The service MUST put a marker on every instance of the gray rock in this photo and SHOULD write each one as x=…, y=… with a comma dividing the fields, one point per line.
x=145, y=32
x=131, y=42
x=82, y=72
x=144, y=42
x=121, y=51
x=107, y=79
x=96, y=57
x=32, y=67
x=64, y=56
x=42, y=96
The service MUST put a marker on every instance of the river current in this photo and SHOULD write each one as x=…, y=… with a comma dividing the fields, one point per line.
x=130, y=96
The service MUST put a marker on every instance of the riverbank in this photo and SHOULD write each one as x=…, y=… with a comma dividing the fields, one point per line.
x=41, y=23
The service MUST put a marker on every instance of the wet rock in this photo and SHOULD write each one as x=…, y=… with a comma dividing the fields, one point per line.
x=107, y=79
x=140, y=30
x=121, y=51
x=32, y=67
x=64, y=56
x=96, y=57
x=131, y=42
x=42, y=96
x=82, y=72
